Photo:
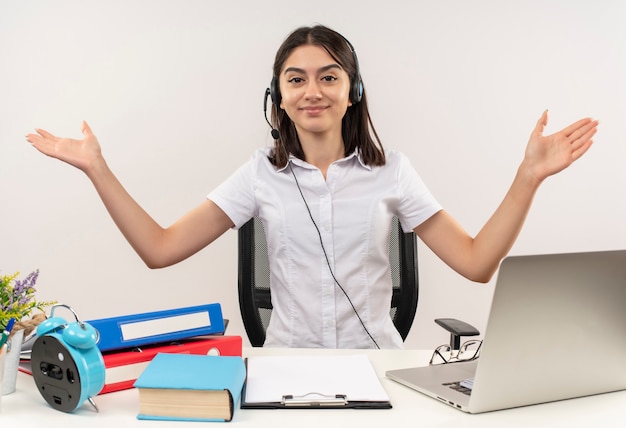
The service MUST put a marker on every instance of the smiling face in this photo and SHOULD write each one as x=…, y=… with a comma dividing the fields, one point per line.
x=315, y=92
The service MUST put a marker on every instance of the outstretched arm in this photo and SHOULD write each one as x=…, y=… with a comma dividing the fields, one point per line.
x=478, y=258
x=157, y=246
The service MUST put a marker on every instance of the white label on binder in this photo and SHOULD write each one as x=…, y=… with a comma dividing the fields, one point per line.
x=170, y=324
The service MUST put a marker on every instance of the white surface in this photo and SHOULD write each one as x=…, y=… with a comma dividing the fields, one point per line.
x=409, y=407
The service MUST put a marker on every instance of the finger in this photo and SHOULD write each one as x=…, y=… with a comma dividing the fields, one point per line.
x=575, y=126
x=46, y=134
x=86, y=129
x=576, y=154
x=541, y=123
x=588, y=134
x=31, y=138
x=585, y=132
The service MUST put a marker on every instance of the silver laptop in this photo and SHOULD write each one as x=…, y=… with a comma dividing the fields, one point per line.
x=556, y=330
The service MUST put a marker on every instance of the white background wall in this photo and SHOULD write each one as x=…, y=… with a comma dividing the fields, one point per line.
x=173, y=90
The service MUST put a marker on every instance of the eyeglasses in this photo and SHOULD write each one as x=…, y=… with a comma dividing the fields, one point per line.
x=468, y=351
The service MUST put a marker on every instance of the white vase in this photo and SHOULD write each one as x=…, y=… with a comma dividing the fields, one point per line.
x=12, y=362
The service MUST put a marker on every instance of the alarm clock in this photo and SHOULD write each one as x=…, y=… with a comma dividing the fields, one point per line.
x=67, y=366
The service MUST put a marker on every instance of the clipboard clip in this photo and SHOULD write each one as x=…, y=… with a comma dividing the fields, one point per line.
x=314, y=399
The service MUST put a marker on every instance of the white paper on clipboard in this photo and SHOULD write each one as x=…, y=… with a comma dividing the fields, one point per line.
x=271, y=378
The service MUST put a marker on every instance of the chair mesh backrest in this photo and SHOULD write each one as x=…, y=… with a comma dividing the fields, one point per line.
x=254, y=279
x=262, y=272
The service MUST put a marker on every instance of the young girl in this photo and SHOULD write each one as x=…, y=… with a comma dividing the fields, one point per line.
x=326, y=193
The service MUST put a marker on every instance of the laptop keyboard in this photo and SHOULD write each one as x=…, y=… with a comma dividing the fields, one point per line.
x=464, y=386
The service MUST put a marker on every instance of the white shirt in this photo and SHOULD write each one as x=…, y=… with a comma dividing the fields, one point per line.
x=353, y=209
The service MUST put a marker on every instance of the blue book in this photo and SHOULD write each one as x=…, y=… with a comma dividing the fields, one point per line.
x=190, y=387
x=148, y=328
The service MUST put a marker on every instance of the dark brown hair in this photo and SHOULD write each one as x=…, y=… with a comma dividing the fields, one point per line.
x=356, y=126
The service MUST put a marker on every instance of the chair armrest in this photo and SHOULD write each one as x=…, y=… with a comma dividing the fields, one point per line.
x=457, y=329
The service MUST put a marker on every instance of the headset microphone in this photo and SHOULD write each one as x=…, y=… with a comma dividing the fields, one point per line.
x=274, y=131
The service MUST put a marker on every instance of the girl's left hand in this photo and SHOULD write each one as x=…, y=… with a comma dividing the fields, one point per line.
x=547, y=155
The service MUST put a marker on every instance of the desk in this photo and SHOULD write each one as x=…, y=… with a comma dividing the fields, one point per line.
x=409, y=407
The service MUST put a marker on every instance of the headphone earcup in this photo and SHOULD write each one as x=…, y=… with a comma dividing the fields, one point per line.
x=356, y=90
x=275, y=92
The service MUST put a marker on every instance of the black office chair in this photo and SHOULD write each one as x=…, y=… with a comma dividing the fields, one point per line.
x=255, y=301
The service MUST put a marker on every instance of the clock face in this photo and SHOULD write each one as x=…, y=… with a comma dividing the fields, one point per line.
x=56, y=374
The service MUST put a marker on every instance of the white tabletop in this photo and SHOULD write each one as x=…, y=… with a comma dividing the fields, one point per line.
x=409, y=407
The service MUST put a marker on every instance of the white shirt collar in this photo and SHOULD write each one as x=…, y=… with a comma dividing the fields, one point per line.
x=296, y=161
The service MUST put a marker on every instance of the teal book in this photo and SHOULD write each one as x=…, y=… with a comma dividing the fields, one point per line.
x=190, y=387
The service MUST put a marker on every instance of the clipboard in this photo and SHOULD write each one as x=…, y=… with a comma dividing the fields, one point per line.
x=312, y=382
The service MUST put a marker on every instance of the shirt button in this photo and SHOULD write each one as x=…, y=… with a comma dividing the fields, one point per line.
x=327, y=227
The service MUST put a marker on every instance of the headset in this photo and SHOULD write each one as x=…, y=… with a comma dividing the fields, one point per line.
x=273, y=92
x=67, y=366
x=356, y=95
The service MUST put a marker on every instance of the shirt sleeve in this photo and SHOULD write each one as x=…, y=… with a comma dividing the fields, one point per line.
x=236, y=196
x=417, y=204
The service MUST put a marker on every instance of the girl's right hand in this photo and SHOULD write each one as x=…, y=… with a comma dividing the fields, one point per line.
x=82, y=154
